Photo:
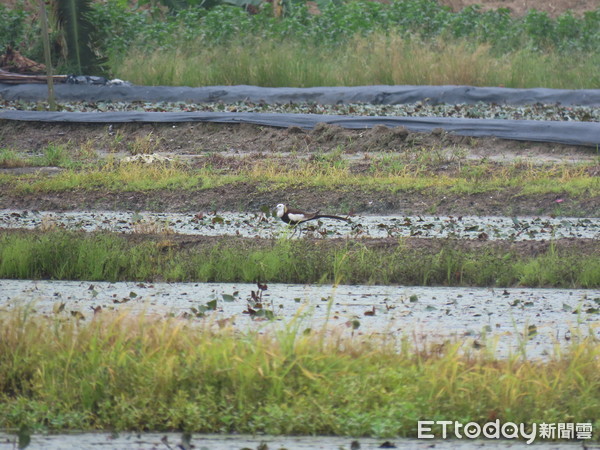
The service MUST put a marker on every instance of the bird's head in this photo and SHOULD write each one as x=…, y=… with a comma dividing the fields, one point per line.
x=280, y=209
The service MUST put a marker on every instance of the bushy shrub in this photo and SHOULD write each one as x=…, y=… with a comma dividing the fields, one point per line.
x=17, y=29
x=122, y=27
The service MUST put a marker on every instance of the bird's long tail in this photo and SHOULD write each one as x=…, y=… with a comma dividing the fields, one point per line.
x=326, y=216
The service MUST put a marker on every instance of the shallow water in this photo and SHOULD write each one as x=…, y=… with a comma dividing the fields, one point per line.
x=422, y=314
x=265, y=226
x=509, y=320
x=85, y=441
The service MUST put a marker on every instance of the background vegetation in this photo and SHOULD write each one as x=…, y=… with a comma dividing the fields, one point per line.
x=355, y=42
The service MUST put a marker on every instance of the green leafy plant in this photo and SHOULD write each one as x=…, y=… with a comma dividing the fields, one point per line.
x=12, y=26
x=76, y=35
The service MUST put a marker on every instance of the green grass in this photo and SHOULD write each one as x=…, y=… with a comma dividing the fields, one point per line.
x=114, y=177
x=80, y=256
x=56, y=155
x=53, y=155
x=372, y=60
x=10, y=159
x=392, y=173
x=120, y=372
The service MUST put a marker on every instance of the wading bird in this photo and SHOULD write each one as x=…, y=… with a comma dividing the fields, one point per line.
x=295, y=217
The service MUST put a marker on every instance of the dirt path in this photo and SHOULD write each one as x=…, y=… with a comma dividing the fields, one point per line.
x=251, y=197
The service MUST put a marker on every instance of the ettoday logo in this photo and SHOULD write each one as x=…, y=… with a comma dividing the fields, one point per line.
x=507, y=430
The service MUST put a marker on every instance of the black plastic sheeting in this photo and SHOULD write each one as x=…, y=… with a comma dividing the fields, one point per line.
x=571, y=133
x=377, y=95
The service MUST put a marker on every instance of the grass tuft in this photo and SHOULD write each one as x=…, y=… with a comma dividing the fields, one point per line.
x=123, y=372
x=10, y=159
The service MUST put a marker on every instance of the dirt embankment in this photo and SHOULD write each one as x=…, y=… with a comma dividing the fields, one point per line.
x=232, y=147
x=197, y=138
x=254, y=197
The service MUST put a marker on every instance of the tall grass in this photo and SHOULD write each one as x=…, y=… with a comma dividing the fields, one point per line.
x=125, y=31
x=77, y=256
x=120, y=372
x=364, y=60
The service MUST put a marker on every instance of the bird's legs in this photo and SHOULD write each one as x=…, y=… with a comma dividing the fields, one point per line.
x=297, y=228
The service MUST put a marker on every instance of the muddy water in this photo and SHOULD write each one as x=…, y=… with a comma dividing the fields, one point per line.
x=265, y=226
x=85, y=441
x=508, y=320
